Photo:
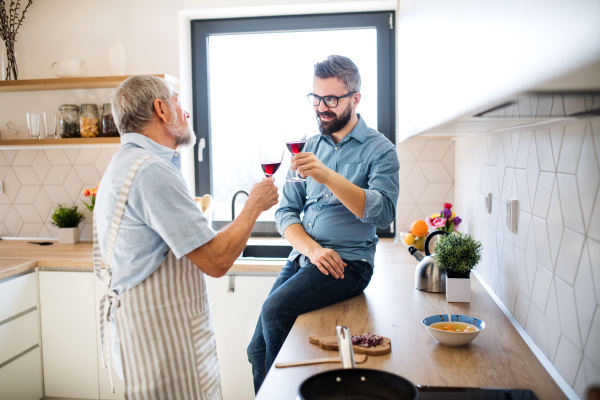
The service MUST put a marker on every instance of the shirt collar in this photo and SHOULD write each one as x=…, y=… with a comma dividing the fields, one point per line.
x=359, y=132
x=150, y=145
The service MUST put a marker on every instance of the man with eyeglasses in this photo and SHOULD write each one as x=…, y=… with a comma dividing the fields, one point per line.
x=351, y=188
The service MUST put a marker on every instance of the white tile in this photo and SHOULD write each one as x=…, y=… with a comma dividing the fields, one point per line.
x=521, y=269
x=504, y=293
x=555, y=225
x=71, y=153
x=571, y=148
x=114, y=150
x=594, y=226
x=3, y=230
x=571, y=247
x=73, y=185
x=41, y=165
x=595, y=127
x=523, y=149
x=541, y=243
x=592, y=371
x=493, y=249
x=57, y=175
x=404, y=153
x=402, y=214
x=523, y=225
x=30, y=230
x=57, y=157
x=567, y=361
x=523, y=190
x=44, y=233
x=594, y=249
x=536, y=327
x=28, y=213
x=515, y=138
x=558, y=110
x=3, y=172
x=52, y=229
x=42, y=203
x=494, y=146
x=509, y=156
x=533, y=171
x=416, y=146
x=521, y=308
x=86, y=232
x=588, y=177
x=541, y=288
x=569, y=200
x=544, y=150
x=27, y=194
x=448, y=160
x=428, y=209
x=492, y=183
x=556, y=137
x=568, y=312
x=543, y=193
x=485, y=174
x=436, y=150
x=87, y=156
x=506, y=259
x=544, y=107
x=513, y=285
x=435, y=171
x=414, y=215
x=416, y=182
x=88, y=173
x=585, y=299
x=12, y=185
x=26, y=175
x=57, y=194
x=552, y=318
x=435, y=193
x=4, y=209
x=24, y=157
x=592, y=349
x=3, y=160
x=9, y=155
x=500, y=241
x=507, y=183
x=405, y=169
x=404, y=196
x=500, y=167
x=13, y=222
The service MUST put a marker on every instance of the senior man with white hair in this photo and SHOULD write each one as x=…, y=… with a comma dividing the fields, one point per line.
x=157, y=246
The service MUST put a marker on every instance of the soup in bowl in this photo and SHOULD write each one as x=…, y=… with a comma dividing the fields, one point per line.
x=459, y=331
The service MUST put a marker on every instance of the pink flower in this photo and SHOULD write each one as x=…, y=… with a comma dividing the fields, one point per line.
x=439, y=222
x=428, y=222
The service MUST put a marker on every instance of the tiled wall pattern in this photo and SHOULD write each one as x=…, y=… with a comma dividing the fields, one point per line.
x=36, y=180
x=426, y=178
x=548, y=273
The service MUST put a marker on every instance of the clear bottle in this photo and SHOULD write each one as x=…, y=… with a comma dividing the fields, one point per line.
x=89, y=121
x=109, y=128
x=69, y=121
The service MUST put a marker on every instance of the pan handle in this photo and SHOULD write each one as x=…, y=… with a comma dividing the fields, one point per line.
x=345, y=346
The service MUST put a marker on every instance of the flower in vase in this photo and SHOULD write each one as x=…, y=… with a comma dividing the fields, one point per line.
x=439, y=222
x=447, y=206
x=446, y=213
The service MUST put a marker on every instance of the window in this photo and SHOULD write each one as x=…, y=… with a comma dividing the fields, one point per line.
x=251, y=77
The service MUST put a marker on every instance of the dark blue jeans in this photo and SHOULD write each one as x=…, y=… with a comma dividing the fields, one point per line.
x=297, y=291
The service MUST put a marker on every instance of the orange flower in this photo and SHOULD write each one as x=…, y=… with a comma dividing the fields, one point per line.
x=86, y=192
x=98, y=185
x=93, y=192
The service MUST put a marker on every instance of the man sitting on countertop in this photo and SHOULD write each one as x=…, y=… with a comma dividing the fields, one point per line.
x=157, y=247
x=351, y=189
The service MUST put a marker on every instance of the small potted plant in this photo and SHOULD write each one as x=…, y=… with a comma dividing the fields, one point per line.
x=67, y=218
x=458, y=253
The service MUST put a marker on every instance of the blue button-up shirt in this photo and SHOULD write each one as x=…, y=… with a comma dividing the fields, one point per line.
x=367, y=159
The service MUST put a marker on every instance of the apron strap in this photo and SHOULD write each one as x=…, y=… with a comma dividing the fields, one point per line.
x=110, y=296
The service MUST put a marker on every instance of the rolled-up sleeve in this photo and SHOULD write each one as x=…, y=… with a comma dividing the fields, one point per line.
x=384, y=187
x=291, y=205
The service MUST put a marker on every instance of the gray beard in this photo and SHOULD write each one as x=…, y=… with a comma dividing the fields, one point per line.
x=184, y=137
x=336, y=125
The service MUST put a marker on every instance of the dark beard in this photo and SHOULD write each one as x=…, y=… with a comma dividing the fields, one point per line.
x=335, y=125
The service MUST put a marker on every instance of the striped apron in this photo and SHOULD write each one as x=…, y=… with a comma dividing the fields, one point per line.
x=168, y=346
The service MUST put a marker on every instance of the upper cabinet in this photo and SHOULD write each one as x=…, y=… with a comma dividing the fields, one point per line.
x=460, y=58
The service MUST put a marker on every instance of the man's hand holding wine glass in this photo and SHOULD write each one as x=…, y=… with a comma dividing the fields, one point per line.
x=263, y=195
x=309, y=165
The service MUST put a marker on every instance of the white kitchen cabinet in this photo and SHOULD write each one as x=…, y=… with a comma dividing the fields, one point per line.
x=103, y=379
x=235, y=316
x=17, y=294
x=22, y=378
x=68, y=318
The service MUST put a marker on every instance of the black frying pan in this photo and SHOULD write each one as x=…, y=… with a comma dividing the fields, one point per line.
x=355, y=384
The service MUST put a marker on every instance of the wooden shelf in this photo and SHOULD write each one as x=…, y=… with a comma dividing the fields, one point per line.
x=59, y=142
x=94, y=82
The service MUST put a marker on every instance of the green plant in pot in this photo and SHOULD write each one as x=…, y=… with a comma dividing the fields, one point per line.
x=67, y=219
x=458, y=253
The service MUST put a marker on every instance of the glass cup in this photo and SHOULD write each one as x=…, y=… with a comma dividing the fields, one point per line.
x=50, y=125
x=33, y=124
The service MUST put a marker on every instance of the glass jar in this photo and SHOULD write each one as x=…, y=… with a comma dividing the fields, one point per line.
x=109, y=128
x=89, y=121
x=69, y=121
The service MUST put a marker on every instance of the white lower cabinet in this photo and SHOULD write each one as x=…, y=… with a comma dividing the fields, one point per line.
x=235, y=316
x=21, y=379
x=70, y=350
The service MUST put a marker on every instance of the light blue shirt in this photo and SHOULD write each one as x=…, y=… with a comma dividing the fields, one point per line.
x=160, y=215
x=367, y=159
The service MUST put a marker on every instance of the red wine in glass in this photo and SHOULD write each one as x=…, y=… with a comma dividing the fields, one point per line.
x=271, y=156
x=295, y=140
x=295, y=147
x=270, y=169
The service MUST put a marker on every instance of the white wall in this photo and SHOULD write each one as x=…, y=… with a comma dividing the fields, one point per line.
x=548, y=273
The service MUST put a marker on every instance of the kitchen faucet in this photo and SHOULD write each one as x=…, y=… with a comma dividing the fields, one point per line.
x=233, y=202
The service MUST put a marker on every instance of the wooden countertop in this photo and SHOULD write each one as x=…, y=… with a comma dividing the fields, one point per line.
x=79, y=255
x=390, y=306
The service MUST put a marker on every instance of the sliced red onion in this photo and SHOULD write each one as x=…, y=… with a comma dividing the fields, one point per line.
x=367, y=340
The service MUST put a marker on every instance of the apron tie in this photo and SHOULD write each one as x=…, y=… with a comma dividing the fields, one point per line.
x=111, y=298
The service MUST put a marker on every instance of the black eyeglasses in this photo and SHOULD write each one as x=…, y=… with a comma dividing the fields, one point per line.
x=330, y=101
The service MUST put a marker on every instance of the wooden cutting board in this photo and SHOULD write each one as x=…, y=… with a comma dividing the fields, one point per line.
x=330, y=343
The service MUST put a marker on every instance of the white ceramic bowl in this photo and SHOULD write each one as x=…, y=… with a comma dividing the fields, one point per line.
x=453, y=339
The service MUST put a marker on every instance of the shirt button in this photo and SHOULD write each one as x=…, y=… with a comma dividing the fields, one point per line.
x=326, y=195
x=176, y=154
x=336, y=148
x=309, y=224
x=307, y=197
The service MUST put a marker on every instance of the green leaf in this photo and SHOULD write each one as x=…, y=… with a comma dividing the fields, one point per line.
x=458, y=252
x=66, y=217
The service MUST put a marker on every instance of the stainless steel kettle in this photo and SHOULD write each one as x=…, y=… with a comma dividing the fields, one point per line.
x=429, y=275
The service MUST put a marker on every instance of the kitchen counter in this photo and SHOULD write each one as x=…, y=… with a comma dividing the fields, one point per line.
x=18, y=256
x=390, y=306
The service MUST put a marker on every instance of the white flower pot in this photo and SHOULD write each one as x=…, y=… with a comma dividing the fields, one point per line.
x=458, y=290
x=68, y=235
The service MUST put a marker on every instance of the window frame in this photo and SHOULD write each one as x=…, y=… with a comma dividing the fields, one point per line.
x=201, y=29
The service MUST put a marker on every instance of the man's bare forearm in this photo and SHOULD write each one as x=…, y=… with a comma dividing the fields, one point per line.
x=299, y=239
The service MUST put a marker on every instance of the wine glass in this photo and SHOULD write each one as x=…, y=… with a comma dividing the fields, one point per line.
x=295, y=140
x=270, y=158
